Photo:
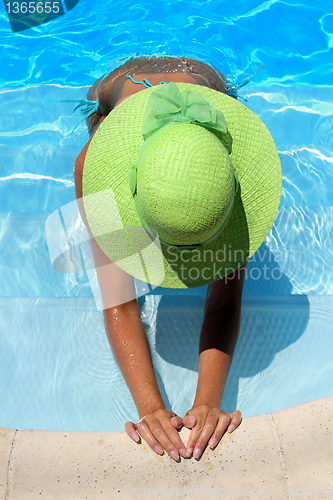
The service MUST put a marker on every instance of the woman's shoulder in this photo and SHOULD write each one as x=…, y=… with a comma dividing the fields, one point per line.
x=78, y=170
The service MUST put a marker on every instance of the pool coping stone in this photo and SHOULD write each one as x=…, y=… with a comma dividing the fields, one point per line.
x=268, y=456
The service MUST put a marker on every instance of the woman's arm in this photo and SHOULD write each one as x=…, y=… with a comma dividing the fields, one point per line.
x=218, y=340
x=128, y=340
x=130, y=347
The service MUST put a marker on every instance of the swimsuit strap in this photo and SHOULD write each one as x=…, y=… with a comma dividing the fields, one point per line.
x=84, y=107
x=231, y=85
x=146, y=83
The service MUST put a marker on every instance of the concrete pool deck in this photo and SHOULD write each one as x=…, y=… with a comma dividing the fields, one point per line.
x=286, y=454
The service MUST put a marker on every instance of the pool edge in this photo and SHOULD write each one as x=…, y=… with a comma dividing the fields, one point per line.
x=268, y=456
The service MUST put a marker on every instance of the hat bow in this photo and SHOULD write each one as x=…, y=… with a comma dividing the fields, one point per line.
x=168, y=105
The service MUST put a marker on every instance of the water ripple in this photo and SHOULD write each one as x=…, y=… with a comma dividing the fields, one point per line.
x=316, y=152
x=77, y=47
x=304, y=254
x=36, y=177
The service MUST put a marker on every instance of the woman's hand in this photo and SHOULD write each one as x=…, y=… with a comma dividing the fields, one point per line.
x=159, y=430
x=208, y=426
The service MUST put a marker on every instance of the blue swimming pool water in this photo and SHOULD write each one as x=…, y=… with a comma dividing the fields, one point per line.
x=56, y=368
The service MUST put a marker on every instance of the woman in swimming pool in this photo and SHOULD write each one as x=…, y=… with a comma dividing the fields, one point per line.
x=220, y=328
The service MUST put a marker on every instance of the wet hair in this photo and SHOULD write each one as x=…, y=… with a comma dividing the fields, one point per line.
x=107, y=90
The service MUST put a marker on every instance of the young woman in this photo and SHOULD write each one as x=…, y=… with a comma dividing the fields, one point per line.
x=158, y=426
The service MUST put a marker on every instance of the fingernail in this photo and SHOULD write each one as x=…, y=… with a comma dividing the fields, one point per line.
x=183, y=452
x=159, y=450
x=231, y=428
x=197, y=453
x=191, y=421
x=212, y=443
x=136, y=438
x=174, y=454
x=189, y=452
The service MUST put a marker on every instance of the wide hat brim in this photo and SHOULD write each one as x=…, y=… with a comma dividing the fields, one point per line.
x=115, y=224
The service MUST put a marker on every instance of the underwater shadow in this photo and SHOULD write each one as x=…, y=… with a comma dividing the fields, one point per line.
x=272, y=319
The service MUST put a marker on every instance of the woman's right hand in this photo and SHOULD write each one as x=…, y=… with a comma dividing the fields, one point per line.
x=159, y=433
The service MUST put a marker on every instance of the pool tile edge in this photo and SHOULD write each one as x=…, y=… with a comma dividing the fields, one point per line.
x=6, y=446
x=265, y=455
x=306, y=437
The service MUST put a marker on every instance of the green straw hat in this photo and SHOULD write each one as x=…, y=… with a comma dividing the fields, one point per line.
x=181, y=185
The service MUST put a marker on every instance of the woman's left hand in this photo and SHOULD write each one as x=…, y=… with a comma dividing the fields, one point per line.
x=208, y=426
